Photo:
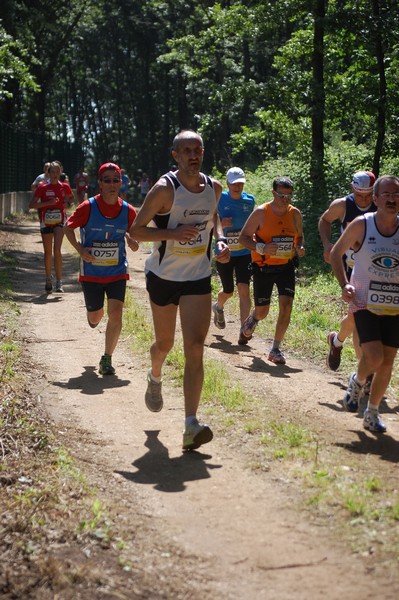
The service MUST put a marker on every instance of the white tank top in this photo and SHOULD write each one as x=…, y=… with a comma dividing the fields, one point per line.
x=185, y=261
x=375, y=274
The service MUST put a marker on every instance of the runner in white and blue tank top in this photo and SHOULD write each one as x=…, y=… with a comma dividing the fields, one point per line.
x=373, y=293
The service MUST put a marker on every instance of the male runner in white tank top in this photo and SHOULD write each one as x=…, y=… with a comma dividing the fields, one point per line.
x=179, y=215
x=373, y=294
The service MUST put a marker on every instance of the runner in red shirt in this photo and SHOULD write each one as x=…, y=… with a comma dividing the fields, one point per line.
x=81, y=182
x=105, y=222
x=51, y=200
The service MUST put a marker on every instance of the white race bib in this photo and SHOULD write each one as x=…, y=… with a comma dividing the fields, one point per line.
x=285, y=245
x=193, y=247
x=105, y=253
x=52, y=216
x=232, y=240
x=383, y=298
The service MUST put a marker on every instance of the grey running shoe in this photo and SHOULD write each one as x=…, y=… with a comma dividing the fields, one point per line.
x=248, y=327
x=106, y=367
x=153, y=395
x=218, y=316
x=49, y=285
x=196, y=435
x=276, y=356
x=372, y=422
x=58, y=286
x=334, y=354
x=353, y=395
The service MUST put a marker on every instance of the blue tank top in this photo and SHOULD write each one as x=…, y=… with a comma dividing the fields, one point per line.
x=239, y=211
x=106, y=238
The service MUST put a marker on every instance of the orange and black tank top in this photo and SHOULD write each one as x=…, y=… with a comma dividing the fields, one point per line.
x=281, y=230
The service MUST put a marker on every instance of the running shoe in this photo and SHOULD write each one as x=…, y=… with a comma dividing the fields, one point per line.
x=153, y=395
x=367, y=385
x=276, y=356
x=243, y=340
x=372, y=422
x=218, y=316
x=58, y=286
x=334, y=354
x=106, y=367
x=196, y=435
x=249, y=326
x=49, y=285
x=353, y=395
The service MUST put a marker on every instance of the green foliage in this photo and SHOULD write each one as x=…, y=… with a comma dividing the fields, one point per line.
x=14, y=71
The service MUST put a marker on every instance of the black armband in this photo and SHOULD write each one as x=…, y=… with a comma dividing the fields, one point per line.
x=222, y=239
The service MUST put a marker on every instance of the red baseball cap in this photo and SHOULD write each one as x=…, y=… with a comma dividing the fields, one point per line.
x=107, y=166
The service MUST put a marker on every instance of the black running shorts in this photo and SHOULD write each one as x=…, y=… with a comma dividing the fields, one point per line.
x=238, y=266
x=264, y=279
x=94, y=293
x=377, y=328
x=163, y=291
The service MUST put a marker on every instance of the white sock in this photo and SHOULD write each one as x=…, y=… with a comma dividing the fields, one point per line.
x=337, y=342
x=155, y=379
x=372, y=407
x=191, y=420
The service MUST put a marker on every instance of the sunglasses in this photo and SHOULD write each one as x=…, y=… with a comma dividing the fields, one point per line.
x=284, y=196
x=110, y=180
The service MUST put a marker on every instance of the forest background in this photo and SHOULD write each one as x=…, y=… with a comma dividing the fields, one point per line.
x=308, y=89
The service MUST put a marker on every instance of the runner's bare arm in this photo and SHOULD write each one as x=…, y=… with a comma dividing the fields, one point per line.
x=39, y=203
x=223, y=255
x=81, y=250
x=335, y=212
x=247, y=236
x=352, y=237
x=300, y=248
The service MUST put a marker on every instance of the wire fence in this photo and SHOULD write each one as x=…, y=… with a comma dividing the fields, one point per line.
x=23, y=153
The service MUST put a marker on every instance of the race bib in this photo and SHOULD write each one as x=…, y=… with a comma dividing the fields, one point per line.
x=285, y=246
x=105, y=253
x=53, y=217
x=232, y=240
x=194, y=247
x=383, y=298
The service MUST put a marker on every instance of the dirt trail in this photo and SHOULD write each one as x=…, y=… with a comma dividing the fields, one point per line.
x=241, y=528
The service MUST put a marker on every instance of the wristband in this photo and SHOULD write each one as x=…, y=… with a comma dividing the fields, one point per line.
x=260, y=248
x=345, y=284
x=222, y=239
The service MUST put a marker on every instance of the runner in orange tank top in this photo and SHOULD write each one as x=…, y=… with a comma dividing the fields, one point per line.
x=274, y=235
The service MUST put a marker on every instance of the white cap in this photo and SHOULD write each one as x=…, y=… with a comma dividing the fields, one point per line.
x=363, y=181
x=235, y=175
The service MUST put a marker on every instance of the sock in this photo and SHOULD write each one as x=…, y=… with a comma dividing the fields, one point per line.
x=155, y=379
x=337, y=342
x=372, y=407
x=276, y=344
x=190, y=420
